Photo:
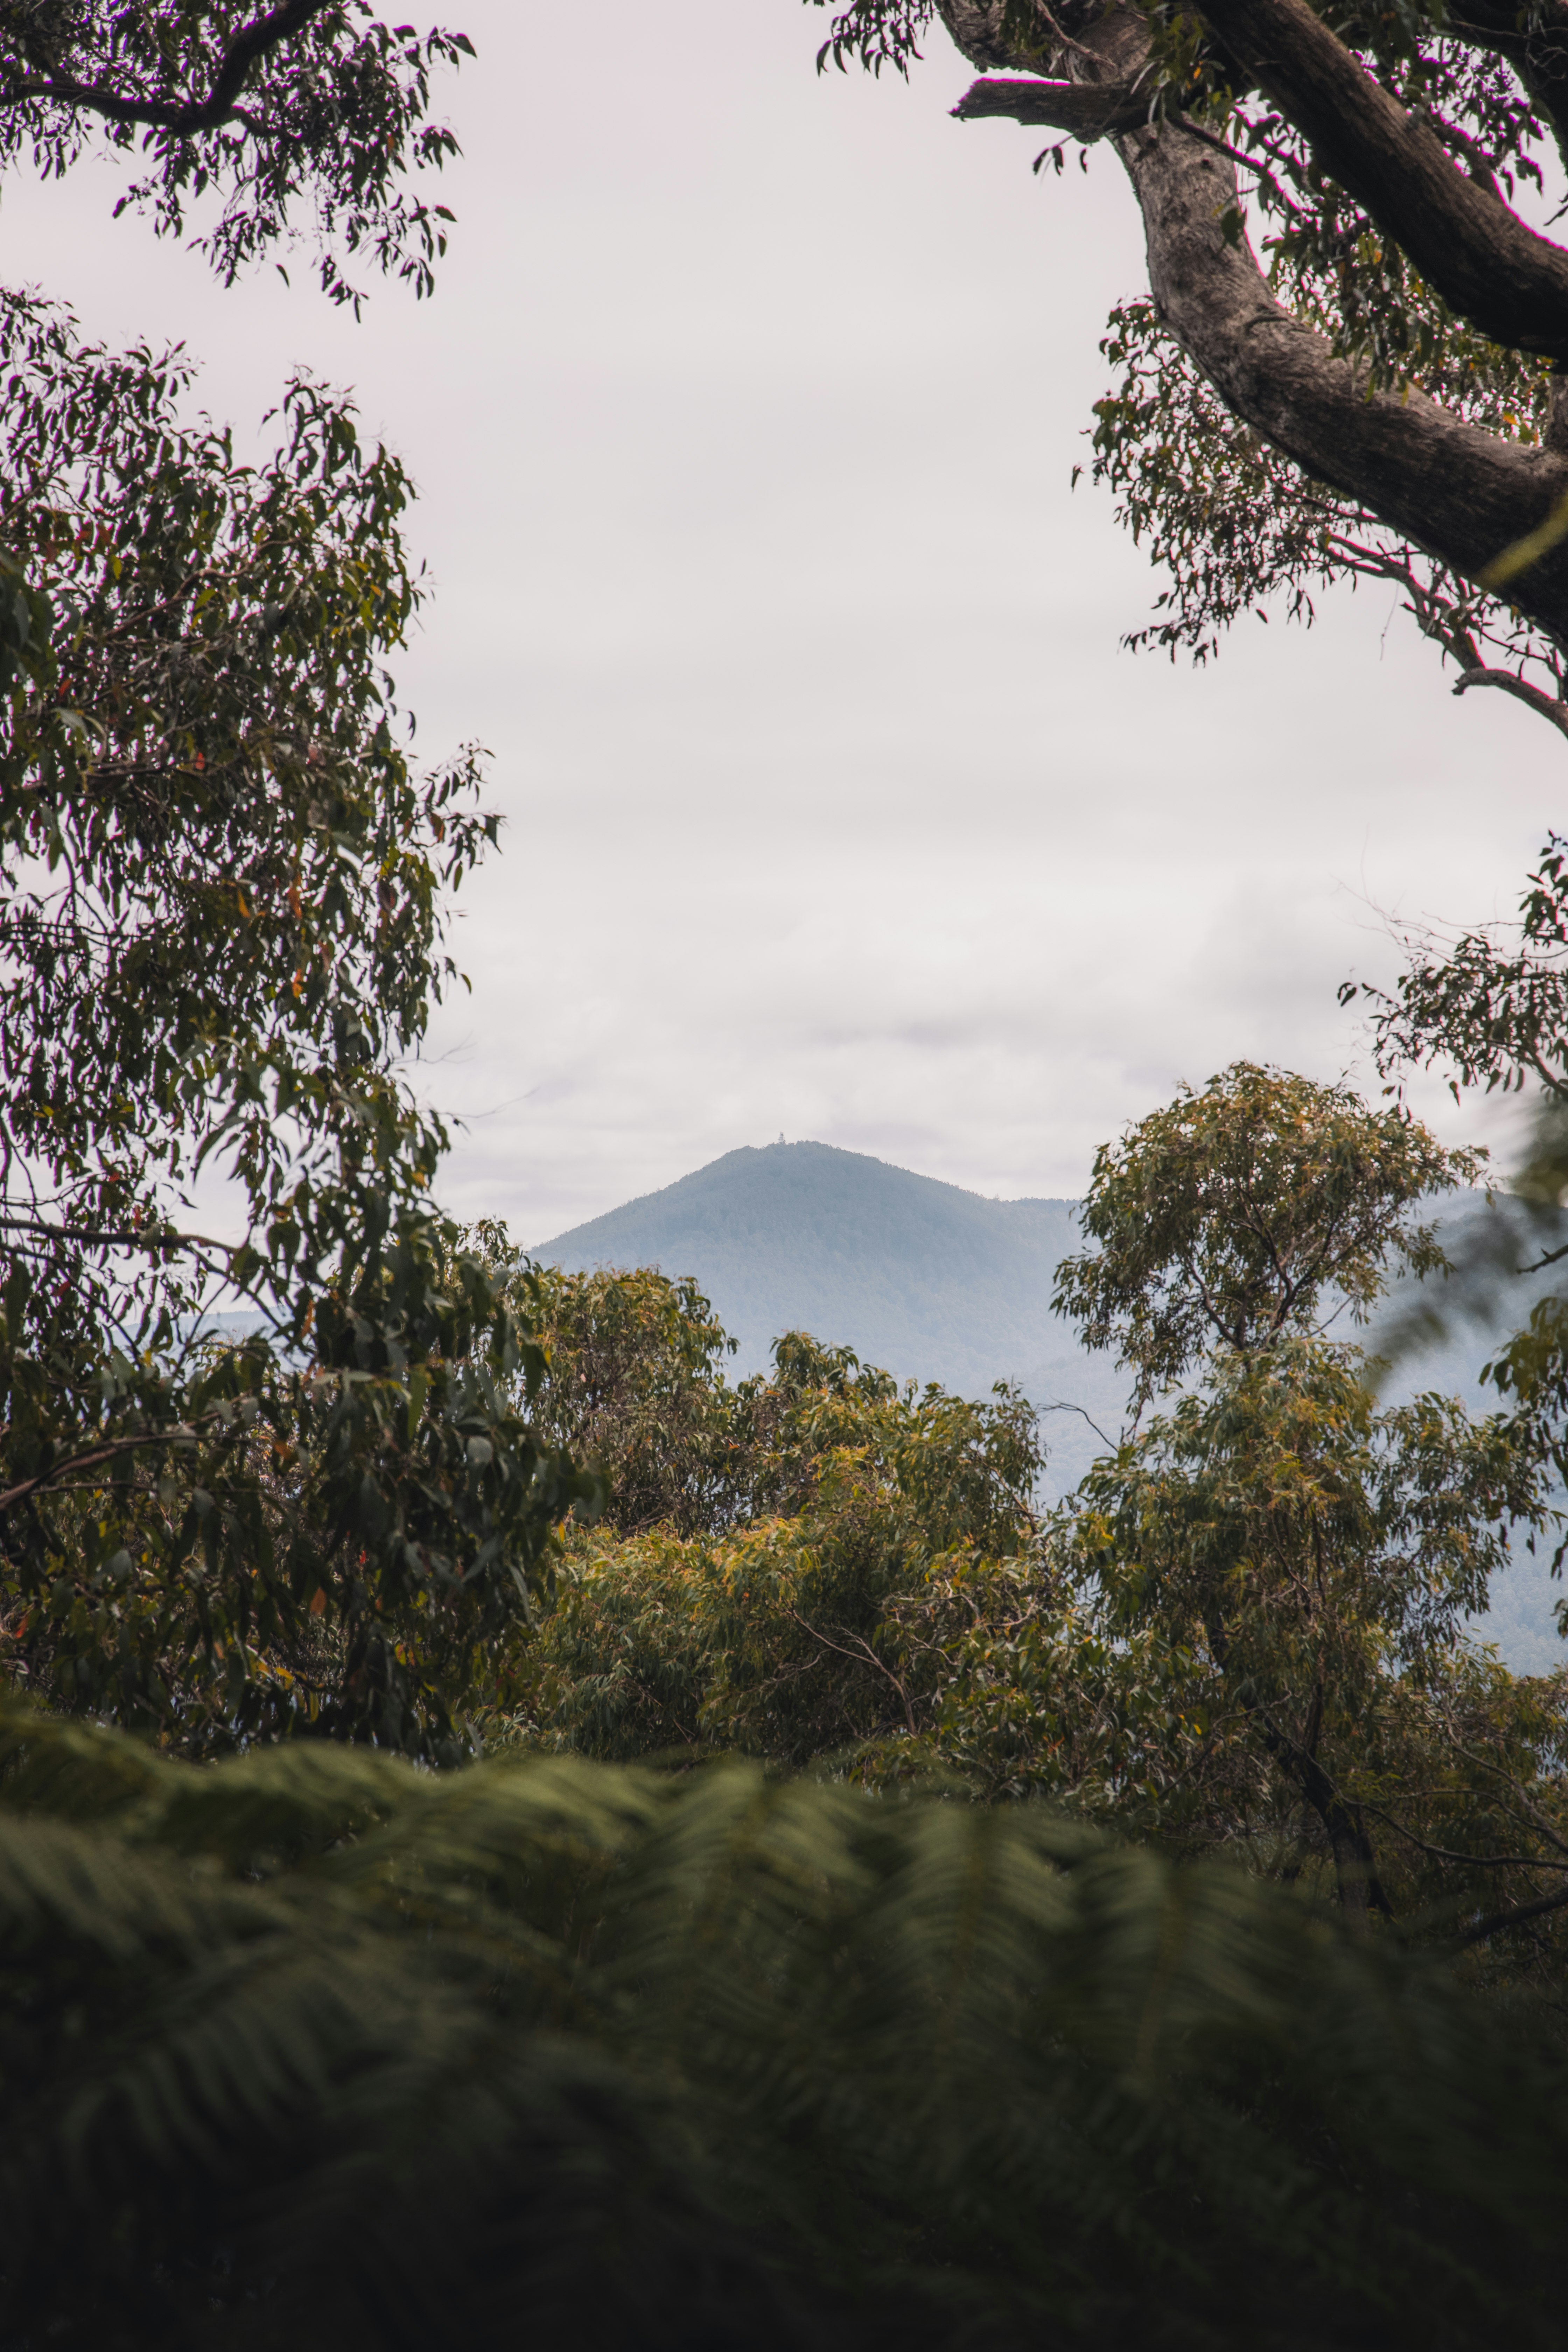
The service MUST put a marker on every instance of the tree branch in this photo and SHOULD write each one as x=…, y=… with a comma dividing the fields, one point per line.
x=107, y=1452
x=1457, y=491
x=250, y=45
x=1536, y=697
x=1516, y=1917
x=1462, y=238
x=1460, y=494
x=871, y=1658
x=1087, y=110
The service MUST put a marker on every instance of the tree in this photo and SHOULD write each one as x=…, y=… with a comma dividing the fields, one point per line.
x=1490, y=1007
x=1384, y=398
x=1302, y=1560
x=307, y=2046
x=1265, y=1206
x=635, y=1388
x=1248, y=1630
x=220, y=934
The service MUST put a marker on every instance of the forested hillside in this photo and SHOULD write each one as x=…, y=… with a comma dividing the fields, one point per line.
x=933, y=1283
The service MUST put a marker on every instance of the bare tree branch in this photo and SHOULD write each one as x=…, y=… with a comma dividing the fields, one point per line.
x=1087, y=110
x=1516, y=1917
x=862, y=1650
x=1547, y=705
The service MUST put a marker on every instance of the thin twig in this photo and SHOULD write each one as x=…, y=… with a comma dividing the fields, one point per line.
x=868, y=1652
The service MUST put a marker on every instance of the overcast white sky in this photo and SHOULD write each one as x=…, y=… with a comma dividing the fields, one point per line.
x=744, y=416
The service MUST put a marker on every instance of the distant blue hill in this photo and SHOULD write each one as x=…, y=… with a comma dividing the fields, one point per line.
x=928, y=1281
x=937, y=1284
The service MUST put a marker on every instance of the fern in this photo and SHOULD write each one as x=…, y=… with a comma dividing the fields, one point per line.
x=311, y=2047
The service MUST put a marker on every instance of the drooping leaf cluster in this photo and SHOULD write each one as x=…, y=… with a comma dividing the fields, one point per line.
x=259, y=128
x=876, y=33
x=1490, y=1007
x=1237, y=527
x=310, y=2047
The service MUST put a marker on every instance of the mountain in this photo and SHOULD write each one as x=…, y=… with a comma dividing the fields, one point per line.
x=929, y=1281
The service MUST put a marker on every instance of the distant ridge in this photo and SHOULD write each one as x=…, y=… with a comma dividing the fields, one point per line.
x=922, y=1277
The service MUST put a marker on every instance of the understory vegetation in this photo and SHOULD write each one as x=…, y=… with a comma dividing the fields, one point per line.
x=315, y=2047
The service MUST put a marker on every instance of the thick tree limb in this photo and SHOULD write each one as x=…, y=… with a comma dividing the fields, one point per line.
x=1456, y=490
x=221, y=104
x=1460, y=492
x=1463, y=238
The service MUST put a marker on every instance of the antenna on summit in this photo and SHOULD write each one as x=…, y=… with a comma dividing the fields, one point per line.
x=781, y=1135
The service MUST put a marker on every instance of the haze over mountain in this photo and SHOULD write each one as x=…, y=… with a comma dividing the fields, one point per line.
x=934, y=1283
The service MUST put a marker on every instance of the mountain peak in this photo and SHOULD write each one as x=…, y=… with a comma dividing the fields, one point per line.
x=916, y=1274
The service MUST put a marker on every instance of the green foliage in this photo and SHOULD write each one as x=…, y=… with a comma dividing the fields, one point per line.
x=1303, y=1566
x=635, y=1387
x=220, y=932
x=770, y=1630
x=312, y=2046
x=1259, y=1207
x=1299, y=1564
x=316, y=108
x=1491, y=1007
x=1249, y=1630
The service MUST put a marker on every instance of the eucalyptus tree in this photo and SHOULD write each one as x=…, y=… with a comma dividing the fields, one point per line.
x=220, y=935
x=1302, y=1560
x=1350, y=359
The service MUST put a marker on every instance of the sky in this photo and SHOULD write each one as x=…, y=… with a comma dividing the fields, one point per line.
x=744, y=418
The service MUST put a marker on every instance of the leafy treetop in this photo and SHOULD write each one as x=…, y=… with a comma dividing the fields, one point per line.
x=300, y=119
x=221, y=934
x=1267, y=1205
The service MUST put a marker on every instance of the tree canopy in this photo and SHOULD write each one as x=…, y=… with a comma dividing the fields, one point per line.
x=1251, y=1629
x=224, y=901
